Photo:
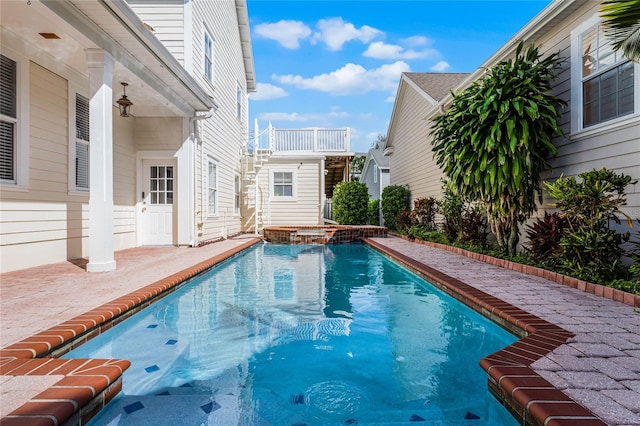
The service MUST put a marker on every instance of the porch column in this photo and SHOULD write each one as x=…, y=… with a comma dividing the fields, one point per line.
x=101, y=257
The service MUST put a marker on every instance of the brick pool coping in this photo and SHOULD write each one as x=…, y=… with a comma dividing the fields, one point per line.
x=522, y=391
x=88, y=384
x=321, y=234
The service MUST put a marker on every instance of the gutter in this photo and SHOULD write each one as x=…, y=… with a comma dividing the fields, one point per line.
x=205, y=115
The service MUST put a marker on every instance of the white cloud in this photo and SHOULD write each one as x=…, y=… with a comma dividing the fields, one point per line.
x=440, y=66
x=266, y=91
x=315, y=119
x=381, y=50
x=390, y=99
x=287, y=33
x=283, y=116
x=350, y=79
x=335, y=32
x=417, y=41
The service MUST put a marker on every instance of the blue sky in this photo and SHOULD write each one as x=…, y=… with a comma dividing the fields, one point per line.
x=337, y=64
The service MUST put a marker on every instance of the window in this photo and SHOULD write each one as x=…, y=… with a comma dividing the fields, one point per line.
x=8, y=119
x=82, y=143
x=283, y=185
x=208, y=56
x=212, y=183
x=375, y=173
x=603, y=81
x=236, y=195
x=239, y=102
x=161, y=185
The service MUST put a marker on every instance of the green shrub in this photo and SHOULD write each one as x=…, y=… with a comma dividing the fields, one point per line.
x=451, y=207
x=590, y=249
x=395, y=199
x=424, y=212
x=373, y=212
x=350, y=203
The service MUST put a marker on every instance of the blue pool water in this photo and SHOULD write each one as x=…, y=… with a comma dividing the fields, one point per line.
x=303, y=335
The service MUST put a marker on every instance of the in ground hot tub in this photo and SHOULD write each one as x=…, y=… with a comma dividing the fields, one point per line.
x=321, y=234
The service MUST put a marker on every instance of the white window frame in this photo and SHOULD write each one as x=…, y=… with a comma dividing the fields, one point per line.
x=577, y=116
x=212, y=207
x=74, y=141
x=20, y=181
x=208, y=56
x=375, y=173
x=239, y=101
x=237, y=189
x=272, y=182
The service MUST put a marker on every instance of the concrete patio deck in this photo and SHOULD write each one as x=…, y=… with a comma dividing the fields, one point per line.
x=599, y=367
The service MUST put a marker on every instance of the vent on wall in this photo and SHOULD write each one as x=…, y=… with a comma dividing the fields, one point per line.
x=50, y=36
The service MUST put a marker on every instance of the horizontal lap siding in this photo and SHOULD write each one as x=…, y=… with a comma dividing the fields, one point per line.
x=167, y=20
x=223, y=135
x=617, y=148
x=305, y=209
x=47, y=223
x=412, y=160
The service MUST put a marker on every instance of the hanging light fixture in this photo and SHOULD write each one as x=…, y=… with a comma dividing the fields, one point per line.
x=123, y=103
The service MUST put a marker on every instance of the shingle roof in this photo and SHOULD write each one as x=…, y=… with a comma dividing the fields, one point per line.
x=436, y=84
x=380, y=158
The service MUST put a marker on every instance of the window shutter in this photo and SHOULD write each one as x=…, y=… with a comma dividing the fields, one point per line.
x=8, y=87
x=8, y=107
x=82, y=165
x=82, y=118
x=82, y=142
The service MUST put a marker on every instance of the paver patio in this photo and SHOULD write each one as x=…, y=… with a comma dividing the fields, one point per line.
x=599, y=367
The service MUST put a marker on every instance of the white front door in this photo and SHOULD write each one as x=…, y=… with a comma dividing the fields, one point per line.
x=158, y=178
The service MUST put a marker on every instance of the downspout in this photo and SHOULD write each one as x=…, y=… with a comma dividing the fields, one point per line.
x=198, y=143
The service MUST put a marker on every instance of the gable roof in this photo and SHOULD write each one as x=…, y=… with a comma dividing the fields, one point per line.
x=377, y=156
x=381, y=160
x=436, y=84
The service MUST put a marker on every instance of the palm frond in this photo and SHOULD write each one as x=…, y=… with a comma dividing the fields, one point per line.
x=621, y=23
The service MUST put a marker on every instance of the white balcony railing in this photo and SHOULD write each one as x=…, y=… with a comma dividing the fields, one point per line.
x=302, y=140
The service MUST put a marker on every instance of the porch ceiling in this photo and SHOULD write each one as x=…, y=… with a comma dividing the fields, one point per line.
x=158, y=85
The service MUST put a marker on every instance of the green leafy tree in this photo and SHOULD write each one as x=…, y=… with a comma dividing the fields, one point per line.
x=494, y=140
x=395, y=200
x=621, y=19
x=356, y=166
x=351, y=203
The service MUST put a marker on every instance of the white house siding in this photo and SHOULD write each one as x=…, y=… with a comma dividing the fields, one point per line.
x=223, y=135
x=412, y=160
x=124, y=183
x=305, y=209
x=167, y=20
x=616, y=147
x=47, y=222
x=384, y=181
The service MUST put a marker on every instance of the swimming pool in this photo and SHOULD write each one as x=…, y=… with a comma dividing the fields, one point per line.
x=295, y=334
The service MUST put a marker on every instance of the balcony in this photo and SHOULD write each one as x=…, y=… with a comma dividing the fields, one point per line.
x=300, y=141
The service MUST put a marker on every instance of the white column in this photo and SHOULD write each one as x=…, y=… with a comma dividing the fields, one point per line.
x=101, y=257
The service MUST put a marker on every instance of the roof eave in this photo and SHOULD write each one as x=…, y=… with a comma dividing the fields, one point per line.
x=245, y=41
x=190, y=96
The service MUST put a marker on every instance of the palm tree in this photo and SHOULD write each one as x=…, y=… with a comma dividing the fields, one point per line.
x=621, y=22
